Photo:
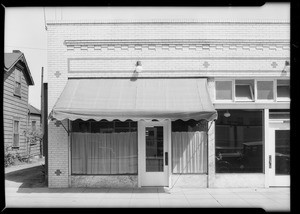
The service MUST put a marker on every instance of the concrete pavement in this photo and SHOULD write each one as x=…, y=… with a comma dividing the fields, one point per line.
x=19, y=192
x=273, y=199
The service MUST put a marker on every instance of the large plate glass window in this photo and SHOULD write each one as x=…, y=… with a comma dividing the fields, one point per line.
x=189, y=146
x=224, y=90
x=283, y=90
x=244, y=90
x=239, y=141
x=103, y=147
x=265, y=90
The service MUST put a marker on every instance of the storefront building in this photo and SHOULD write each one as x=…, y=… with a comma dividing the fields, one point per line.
x=168, y=103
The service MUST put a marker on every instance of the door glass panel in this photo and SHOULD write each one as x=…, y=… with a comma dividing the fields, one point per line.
x=154, y=149
x=282, y=152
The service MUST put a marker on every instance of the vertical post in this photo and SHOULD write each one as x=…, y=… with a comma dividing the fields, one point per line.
x=41, y=118
x=266, y=147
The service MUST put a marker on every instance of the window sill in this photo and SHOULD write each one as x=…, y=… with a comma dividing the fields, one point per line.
x=17, y=95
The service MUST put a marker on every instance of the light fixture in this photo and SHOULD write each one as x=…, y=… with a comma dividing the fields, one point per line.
x=138, y=67
x=227, y=114
x=286, y=67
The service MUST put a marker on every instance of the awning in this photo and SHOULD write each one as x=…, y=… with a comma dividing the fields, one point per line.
x=134, y=99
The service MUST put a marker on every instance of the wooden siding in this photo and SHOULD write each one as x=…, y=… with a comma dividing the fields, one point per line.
x=35, y=149
x=15, y=107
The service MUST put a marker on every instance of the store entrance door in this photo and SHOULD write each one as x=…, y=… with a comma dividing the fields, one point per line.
x=279, y=153
x=154, y=154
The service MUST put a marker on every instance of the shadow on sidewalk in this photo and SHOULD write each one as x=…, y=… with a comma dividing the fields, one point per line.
x=31, y=177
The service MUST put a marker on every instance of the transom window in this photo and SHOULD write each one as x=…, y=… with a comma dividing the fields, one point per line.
x=283, y=90
x=252, y=90
x=244, y=90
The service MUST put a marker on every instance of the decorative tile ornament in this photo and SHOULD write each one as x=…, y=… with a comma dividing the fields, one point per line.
x=274, y=64
x=58, y=172
x=57, y=74
x=58, y=123
x=206, y=64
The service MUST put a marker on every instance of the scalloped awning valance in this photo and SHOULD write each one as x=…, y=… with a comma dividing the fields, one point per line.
x=134, y=99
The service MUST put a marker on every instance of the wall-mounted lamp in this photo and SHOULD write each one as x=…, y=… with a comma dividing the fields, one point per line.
x=286, y=67
x=227, y=114
x=138, y=67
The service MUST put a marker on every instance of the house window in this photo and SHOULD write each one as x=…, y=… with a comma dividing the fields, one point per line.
x=16, y=135
x=265, y=90
x=224, y=90
x=283, y=90
x=33, y=125
x=102, y=147
x=244, y=90
x=239, y=141
x=189, y=146
x=17, y=82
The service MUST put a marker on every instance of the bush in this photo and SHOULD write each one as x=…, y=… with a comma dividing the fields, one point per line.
x=9, y=158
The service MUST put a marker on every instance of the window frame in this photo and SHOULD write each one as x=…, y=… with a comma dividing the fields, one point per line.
x=252, y=91
x=18, y=80
x=276, y=97
x=256, y=93
x=232, y=91
x=13, y=134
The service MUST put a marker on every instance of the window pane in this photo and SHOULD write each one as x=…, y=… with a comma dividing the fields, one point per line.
x=223, y=90
x=33, y=125
x=239, y=141
x=265, y=90
x=104, y=153
x=189, y=146
x=16, y=140
x=282, y=152
x=154, y=149
x=283, y=89
x=16, y=126
x=279, y=114
x=243, y=92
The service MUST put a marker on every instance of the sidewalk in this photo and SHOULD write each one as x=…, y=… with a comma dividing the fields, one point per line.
x=272, y=199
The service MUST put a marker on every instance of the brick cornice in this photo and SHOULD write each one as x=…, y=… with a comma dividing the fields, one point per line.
x=193, y=44
x=168, y=21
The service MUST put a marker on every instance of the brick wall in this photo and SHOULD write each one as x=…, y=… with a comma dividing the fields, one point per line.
x=196, y=49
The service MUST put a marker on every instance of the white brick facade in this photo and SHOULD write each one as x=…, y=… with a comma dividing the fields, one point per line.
x=166, y=49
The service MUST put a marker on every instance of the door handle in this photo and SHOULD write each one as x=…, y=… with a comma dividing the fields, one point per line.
x=270, y=161
x=166, y=158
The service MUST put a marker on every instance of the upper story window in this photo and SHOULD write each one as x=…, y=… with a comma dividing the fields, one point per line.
x=265, y=90
x=18, y=82
x=244, y=90
x=224, y=90
x=283, y=90
x=252, y=90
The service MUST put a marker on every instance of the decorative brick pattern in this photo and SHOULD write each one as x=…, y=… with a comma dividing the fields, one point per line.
x=207, y=47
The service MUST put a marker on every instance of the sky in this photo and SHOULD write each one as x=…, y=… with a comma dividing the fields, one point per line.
x=25, y=26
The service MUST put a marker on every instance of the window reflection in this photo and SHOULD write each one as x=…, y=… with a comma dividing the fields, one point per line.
x=239, y=143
